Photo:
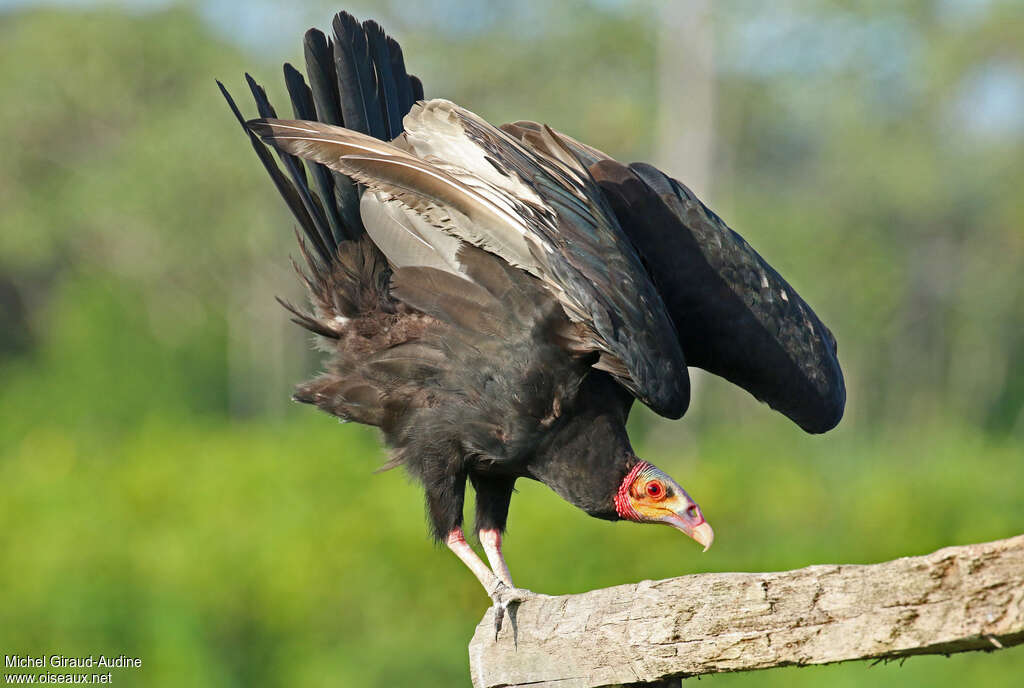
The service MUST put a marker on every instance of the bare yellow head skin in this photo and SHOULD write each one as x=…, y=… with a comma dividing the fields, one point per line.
x=649, y=495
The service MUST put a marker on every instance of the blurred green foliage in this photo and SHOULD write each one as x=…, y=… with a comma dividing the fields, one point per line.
x=160, y=498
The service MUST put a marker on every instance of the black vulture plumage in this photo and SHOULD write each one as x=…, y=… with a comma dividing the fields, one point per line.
x=495, y=299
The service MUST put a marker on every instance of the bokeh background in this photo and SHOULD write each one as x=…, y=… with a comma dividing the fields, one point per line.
x=161, y=498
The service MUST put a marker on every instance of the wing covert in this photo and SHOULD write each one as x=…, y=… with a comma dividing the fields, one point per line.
x=533, y=203
x=583, y=254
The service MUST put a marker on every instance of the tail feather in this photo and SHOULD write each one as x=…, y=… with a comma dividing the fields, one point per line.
x=417, y=88
x=304, y=108
x=323, y=82
x=283, y=185
x=403, y=87
x=297, y=171
x=357, y=87
x=387, y=91
x=357, y=80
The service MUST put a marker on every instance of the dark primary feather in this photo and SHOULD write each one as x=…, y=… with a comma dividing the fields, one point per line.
x=387, y=89
x=357, y=82
x=323, y=82
x=340, y=78
x=283, y=185
x=734, y=314
x=297, y=171
x=403, y=87
x=304, y=108
x=417, y=88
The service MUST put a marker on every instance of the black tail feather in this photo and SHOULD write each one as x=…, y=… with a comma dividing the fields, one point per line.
x=284, y=187
x=387, y=91
x=357, y=87
x=297, y=171
x=304, y=108
x=417, y=87
x=357, y=80
x=263, y=106
x=403, y=86
x=323, y=81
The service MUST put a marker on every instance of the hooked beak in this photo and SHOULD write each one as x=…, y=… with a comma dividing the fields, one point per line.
x=704, y=535
x=691, y=522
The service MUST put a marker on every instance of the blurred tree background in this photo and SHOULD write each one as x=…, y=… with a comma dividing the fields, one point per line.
x=162, y=499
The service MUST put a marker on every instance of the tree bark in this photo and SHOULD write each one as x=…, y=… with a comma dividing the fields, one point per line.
x=654, y=633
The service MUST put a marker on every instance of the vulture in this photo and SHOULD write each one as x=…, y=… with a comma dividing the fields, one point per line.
x=495, y=298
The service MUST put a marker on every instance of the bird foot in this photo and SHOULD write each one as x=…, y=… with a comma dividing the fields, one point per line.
x=506, y=598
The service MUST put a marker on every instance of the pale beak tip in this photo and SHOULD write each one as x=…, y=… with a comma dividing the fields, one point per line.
x=704, y=535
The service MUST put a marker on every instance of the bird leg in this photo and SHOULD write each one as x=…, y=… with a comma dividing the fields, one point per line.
x=490, y=538
x=497, y=582
x=507, y=593
x=456, y=542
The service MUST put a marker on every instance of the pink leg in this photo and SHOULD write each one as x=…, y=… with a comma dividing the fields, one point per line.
x=490, y=538
x=457, y=543
x=497, y=583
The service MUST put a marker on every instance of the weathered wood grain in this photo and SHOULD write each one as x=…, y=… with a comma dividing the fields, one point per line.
x=653, y=632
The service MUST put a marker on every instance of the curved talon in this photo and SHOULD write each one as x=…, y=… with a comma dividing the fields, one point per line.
x=504, y=597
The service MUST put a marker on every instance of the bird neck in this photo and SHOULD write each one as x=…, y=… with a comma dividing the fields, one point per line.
x=587, y=455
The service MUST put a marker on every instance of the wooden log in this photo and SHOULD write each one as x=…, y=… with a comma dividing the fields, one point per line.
x=654, y=633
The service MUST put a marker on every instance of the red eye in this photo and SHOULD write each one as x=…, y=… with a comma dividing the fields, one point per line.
x=655, y=489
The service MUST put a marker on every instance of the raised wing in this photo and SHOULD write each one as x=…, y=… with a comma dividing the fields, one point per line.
x=357, y=79
x=734, y=314
x=536, y=207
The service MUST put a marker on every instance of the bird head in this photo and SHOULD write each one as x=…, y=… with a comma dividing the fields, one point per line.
x=648, y=495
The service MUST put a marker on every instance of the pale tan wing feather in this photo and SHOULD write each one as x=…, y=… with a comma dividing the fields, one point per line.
x=445, y=202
